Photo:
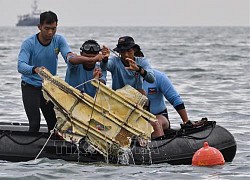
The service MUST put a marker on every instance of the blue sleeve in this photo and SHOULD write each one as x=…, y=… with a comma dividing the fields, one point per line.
x=167, y=88
x=109, y=65
x=64, y=48
x=150, y=74
x=71, y=66
x=104, y=65
x=23, y=66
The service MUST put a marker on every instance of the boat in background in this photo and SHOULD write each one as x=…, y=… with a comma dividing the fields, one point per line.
x=30, y=19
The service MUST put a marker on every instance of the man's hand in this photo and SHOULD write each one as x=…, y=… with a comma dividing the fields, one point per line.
x=38, y=69
x=97, y=73
x=98, y=58
x=132, y=65
x=105, y=52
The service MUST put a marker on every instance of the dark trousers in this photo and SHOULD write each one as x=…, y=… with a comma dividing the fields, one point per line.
x=33, y=101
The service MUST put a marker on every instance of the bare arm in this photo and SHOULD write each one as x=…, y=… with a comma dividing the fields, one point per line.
x=183, y=115
x=76, y=59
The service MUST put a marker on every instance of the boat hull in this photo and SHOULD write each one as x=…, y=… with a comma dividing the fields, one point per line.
x=178, y=147
x=28, y=22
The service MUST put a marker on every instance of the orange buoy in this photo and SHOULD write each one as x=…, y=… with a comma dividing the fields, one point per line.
x=207, y=156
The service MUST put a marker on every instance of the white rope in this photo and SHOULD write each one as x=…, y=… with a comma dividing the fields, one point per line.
x=51, y=132
x=85, y=82
x=103, y=121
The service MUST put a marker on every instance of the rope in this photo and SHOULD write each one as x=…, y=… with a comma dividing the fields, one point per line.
x=51, y=133
x=85, y=82
x=107, y=158
x=58, y=84
x=197, y=138
x=92, y=110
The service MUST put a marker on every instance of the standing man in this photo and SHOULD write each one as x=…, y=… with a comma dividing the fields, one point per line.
x=40, y=50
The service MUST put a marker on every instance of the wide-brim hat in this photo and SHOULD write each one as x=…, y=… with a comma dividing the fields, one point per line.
x=126, y=43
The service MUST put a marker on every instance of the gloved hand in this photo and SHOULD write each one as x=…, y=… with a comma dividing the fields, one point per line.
x=190, y=124
x=187, y=125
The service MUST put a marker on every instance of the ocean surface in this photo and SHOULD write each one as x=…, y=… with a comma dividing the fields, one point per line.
x=209, y=67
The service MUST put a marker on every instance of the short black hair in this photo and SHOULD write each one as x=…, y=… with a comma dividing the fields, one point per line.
x=48, y=17
x=91, y=41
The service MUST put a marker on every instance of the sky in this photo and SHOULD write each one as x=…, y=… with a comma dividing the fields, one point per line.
x=134, y=12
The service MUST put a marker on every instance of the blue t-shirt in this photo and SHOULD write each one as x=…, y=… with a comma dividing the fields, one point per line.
x=121, y=76
x=162, y=87
x=33, y=53
x=76, y=75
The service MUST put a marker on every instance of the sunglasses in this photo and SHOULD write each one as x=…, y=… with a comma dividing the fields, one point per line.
x=88, y=47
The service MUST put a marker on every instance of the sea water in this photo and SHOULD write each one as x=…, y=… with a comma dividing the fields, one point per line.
x=208, y=66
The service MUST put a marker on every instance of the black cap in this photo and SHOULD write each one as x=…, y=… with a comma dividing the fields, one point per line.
x=125, y=43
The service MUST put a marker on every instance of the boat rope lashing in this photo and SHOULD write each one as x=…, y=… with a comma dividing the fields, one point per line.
x=200, y=138
x=176, y=135
x=179, y=133
x=21, y=143
x=189, y=130
x=51, y=133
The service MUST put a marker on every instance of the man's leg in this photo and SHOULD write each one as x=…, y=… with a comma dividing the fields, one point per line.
x=158, y=131
x=31, y=102
x=163, y=121
x=47, y=108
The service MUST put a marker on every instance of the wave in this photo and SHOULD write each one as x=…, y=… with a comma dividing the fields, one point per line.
x=185, y=70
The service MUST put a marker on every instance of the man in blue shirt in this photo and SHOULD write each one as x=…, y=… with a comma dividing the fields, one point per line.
x=126, y=68
x=85, y=67
x=40, y=50
x=129, y=69
x=157, y=91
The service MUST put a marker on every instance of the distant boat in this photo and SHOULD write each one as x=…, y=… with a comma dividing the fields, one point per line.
x=30, y=19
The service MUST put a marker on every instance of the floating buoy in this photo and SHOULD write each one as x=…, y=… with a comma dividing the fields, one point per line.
x=207, y=156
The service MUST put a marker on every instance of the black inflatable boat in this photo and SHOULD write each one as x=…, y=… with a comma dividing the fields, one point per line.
x=176, y=147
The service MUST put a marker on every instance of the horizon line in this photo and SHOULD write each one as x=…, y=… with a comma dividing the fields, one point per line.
x=136, y=26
